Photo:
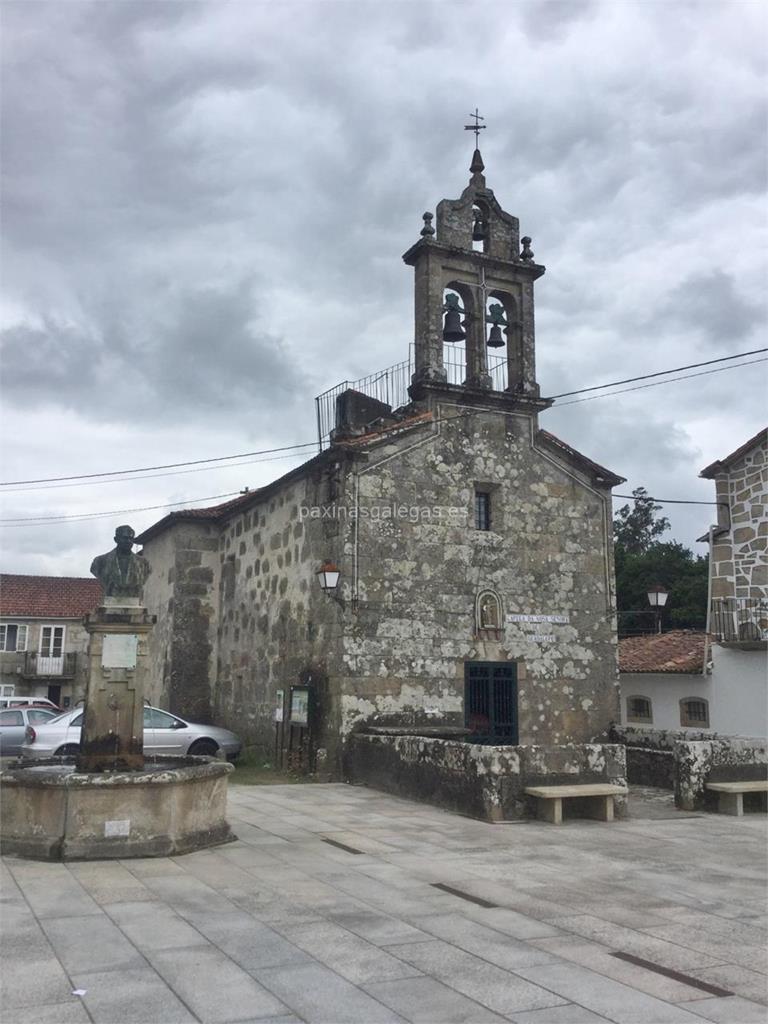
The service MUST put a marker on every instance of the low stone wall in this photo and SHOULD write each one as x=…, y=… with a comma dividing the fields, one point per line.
x=685, y=760
x=722, y=759
x=650, y=754
x=479, y=781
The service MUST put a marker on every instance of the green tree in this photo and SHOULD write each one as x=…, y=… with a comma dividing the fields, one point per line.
x=636, y=527
x=642, y=560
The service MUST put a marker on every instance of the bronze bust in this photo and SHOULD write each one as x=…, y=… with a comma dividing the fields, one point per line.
x=121, y=572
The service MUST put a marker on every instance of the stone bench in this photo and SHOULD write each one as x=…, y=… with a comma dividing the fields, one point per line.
x=599, y=799
x=730, y=795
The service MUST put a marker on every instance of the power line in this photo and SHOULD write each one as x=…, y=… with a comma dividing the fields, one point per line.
x=660, y=373
x=667, y=501
x=44, y=520
x=658, y=383
x=309, y=444
x=152, y=476
x=147, y=469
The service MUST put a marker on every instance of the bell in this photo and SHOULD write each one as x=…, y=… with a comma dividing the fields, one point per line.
x=478, y=228
x=495, y=339
x=452, y=330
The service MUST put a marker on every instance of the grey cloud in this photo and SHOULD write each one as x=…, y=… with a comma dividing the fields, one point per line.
x=202, y=352
x=711, y=305
x=548, y=20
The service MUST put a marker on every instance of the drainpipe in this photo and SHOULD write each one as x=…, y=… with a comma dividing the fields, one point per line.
x=709, y=601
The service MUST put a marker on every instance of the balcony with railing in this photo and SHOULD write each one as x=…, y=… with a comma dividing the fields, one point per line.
x=740, y=622
x=38, y=666
x=391, y=386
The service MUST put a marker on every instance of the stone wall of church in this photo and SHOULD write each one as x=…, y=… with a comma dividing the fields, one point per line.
x=277, y=629
x=182, y=591
x=548, y=553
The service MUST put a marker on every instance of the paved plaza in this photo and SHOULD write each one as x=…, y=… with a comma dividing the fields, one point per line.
x=335, y=905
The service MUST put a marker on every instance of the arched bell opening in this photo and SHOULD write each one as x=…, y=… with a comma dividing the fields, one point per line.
x=459, y=321
x=504, y=341
x=481, y=226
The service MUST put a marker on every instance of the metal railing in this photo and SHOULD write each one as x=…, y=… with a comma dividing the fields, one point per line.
x=739, y=619
x=391, y=386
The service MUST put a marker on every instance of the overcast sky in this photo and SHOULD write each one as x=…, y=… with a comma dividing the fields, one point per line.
x=205, y=206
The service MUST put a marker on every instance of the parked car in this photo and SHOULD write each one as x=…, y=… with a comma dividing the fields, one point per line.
x=14, y=723
x=37, y=702
x=163, y=734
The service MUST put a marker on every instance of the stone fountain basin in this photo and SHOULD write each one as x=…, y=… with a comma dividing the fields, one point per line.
x=49, y=811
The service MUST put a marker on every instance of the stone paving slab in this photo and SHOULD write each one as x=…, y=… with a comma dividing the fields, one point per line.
x=135, y=996
x=284, y=927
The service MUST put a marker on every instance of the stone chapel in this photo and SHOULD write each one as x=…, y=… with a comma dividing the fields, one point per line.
x=442, y=563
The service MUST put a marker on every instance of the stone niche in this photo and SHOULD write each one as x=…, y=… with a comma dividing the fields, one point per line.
x=50, y=812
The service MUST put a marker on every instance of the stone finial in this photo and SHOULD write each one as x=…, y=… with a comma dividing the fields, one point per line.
x=526, y=254
x=477, y=166
x=427, y=230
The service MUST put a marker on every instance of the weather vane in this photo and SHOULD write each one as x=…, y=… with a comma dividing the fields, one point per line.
x=476, y=127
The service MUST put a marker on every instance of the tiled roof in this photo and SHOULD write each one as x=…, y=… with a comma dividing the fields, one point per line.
x=384, y=433
x=597, y=471
x=219, y=513
x=48, y=597
x=722, y=464
x=680, y=650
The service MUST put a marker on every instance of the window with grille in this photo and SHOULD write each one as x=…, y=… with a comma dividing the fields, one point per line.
x=639, y=709
x=490, y=700
x=482, y=510
x=694, y=712
x=13, y=637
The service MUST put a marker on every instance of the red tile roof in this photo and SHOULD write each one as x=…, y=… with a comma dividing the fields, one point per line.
x=680, y=650
x=722, y=464
x=48, y=597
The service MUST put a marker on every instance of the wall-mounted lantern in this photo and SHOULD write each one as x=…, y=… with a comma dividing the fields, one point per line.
x=328, y=577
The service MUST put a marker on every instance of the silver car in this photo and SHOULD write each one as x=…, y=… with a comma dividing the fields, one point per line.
x=14, y=723
x=163, y=734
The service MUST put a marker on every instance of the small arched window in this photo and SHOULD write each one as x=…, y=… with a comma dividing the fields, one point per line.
x=639, y=709
x=481, y=228
x=694, y=713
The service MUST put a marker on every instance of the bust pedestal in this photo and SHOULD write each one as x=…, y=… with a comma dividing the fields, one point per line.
x=113, y=727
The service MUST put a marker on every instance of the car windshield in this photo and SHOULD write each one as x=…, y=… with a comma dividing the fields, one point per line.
x=58, y=717
x=40, y=715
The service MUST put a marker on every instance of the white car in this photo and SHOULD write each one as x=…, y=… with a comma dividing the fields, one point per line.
x=163, y=734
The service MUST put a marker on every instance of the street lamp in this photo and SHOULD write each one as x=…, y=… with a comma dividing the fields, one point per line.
x=657, y=598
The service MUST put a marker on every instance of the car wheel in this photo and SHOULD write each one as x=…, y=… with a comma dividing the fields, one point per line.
x=68, y=750
x=204, y=748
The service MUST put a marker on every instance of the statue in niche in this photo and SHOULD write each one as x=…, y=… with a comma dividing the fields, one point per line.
x=120, y=572
x=489, y=612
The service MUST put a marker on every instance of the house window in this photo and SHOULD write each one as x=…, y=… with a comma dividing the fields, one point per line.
x=51, y=641
x=694, y=712
x=13, y=637
x=482, y=510
x=639, y=709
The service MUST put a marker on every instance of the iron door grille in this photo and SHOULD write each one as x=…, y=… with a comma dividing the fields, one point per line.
x=491, y=700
